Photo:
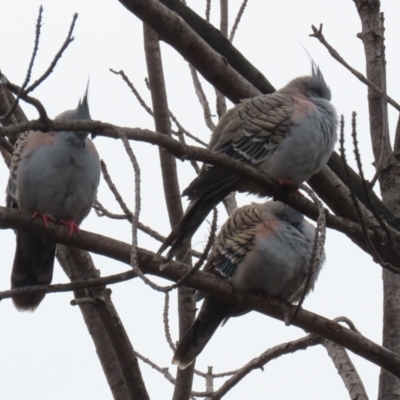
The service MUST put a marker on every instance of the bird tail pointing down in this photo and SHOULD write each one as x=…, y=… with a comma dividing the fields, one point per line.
x=212, y=313
x=33, y=265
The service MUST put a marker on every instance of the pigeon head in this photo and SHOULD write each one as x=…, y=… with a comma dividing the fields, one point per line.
x=80, y=112
x=312, y=86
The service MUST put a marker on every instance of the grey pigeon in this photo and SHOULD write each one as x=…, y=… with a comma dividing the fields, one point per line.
x=54, y=176
x=261, y=247
x=289, y=134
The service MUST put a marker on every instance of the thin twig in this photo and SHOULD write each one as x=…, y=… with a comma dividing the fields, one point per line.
x=366, y=189
x=148, y=109
x=28, y=99
x=223, y=17
x=317, y=252
x=347, y=321
x=114, y=190
x=69, y=39
x=209, y=382
x=385, y=128
x=69, y=287
x=134, y=90
x=166, y=322
x=182, y=129
x=164, y=372
x=101, y=211
x=318, y=34
x=220, y=98
x=237, y=20
x=373, y=250
x=202, y=98
x=135, y=219
x=259, y=362
x=204, y=255
x=181, y=138
x=135, y=215
x=29, y=71
x=208, y=10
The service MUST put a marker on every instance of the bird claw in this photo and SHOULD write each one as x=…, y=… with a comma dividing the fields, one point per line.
x=270, y=299
x=291, y=185
x=72, y=226
x=45, y=218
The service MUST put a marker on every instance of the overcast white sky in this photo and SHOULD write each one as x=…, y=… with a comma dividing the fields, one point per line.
x=49, y=354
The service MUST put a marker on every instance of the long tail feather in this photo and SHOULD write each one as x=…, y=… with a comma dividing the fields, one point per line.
x=33, y=265
x=212, y=313
x=194, y=216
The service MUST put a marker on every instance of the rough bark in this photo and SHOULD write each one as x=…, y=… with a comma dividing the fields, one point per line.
x=372, y=37
x=78, y=265
x=389, y=251
x=176, y=32
x=186, y=308
x=95, y=328
x=150, y=263
x=346, y=370
x=220, y=44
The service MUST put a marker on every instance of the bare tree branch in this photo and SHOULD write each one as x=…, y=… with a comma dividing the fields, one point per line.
x=221, y=45
x=258, y=362
x=361, y=220
x=186, y=310
x=266, y=185
x=69, y=39
x=371, y=36
x=114, y=189
x=102, y=211
x=21, y=94
x=177, y=33
x=202, y=98
x=149, y=263
x=317, y=252
x=166, y=322
x=383, y=156
x=317, y=33
x=150, y=111
x=208, y=10
x=346, y=370
x=237, y=20
x=221, y=102
x=79, y=265
x=361, y=173
x=29, y=70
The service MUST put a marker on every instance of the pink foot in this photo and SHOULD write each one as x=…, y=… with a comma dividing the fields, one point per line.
x=271, y=300
x=72, y=226
x=45, y=218
x=286, y=182
x=291, y=185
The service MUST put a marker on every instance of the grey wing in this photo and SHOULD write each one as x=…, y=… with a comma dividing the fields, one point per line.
x=259, y=126
x=235, y=240
x=250, y=132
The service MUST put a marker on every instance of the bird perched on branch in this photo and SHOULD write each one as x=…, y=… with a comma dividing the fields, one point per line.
x=261, y=247
x=289, y=134
x=53, y=176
